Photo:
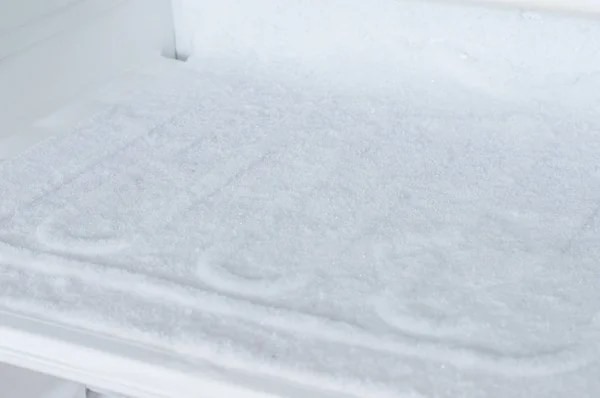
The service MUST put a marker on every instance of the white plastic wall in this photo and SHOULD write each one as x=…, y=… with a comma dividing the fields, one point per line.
x=21, y=383
x=20, y=13
x=51, y=51
x=576, y=6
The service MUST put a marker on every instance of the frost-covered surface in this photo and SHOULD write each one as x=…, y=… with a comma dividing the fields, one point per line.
x=416, y=223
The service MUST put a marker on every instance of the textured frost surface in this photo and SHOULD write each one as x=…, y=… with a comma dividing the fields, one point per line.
x=416, y=240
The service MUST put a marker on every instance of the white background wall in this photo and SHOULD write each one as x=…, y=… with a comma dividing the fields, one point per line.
x=51, y=51
x=22, y=12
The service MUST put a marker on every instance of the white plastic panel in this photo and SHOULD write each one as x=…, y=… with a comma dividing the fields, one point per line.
x=21, y=383
x=16, y=14
x=578, y=6
x=52, y=52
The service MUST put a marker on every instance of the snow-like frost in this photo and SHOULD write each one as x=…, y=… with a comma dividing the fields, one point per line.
x=360, y=230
